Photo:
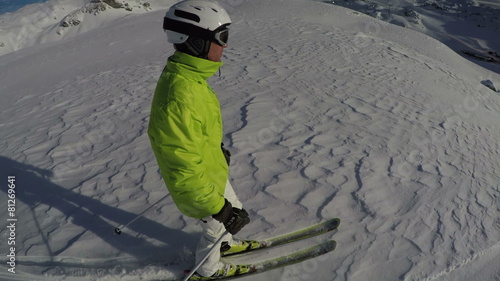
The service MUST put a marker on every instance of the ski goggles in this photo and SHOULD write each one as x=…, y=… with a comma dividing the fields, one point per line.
x=221, y=37
x=218, y=36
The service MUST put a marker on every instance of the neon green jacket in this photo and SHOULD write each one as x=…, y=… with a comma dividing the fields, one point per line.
x=185, y=130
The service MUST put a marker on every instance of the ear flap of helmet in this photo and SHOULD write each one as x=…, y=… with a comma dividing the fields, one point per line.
x=196, y=47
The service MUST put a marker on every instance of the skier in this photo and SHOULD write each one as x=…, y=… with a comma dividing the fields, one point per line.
x=185, y=131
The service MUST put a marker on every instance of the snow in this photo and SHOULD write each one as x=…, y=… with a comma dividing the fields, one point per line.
x=328, y=113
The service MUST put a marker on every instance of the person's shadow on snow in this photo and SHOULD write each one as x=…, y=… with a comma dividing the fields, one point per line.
x=35, y=190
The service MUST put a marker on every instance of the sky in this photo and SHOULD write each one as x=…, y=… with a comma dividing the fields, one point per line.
x=7, y=6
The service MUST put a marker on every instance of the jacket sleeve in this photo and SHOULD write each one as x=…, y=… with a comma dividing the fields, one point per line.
x=175, y=133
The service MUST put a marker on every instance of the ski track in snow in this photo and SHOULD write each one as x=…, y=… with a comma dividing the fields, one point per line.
x=402, y=147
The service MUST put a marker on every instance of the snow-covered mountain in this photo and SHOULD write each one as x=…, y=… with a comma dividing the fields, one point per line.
x=470, y=27
x=56, y=20
x=328, y=112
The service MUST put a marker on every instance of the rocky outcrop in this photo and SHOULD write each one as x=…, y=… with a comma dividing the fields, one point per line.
x=97, y=6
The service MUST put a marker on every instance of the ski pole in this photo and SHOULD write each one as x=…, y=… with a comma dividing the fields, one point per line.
x=118, y=229
x=214, y=247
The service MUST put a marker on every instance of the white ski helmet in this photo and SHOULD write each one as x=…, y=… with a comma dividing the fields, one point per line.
x=199, y=18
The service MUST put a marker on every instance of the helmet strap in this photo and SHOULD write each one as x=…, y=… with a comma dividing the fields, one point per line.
x=195, y=47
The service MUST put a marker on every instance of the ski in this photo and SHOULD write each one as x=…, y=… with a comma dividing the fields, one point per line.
x=292, y=258
x=311, y=231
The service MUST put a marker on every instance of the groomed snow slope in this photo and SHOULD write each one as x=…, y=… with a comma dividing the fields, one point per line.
x=328, y=113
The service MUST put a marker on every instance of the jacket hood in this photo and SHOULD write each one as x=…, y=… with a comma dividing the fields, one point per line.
x=198, y=67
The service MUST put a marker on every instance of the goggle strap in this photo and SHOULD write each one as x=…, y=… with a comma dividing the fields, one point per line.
x=188, y=29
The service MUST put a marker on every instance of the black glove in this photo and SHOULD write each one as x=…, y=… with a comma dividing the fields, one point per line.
x=234, y=219
x=226, y=153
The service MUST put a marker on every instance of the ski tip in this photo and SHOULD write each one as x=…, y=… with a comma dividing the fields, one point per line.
x=328, y=246
x=334, y=223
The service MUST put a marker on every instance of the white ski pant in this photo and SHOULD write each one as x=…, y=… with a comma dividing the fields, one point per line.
x=212, y=231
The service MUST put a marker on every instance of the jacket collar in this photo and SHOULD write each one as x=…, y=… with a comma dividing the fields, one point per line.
x=192, y=66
